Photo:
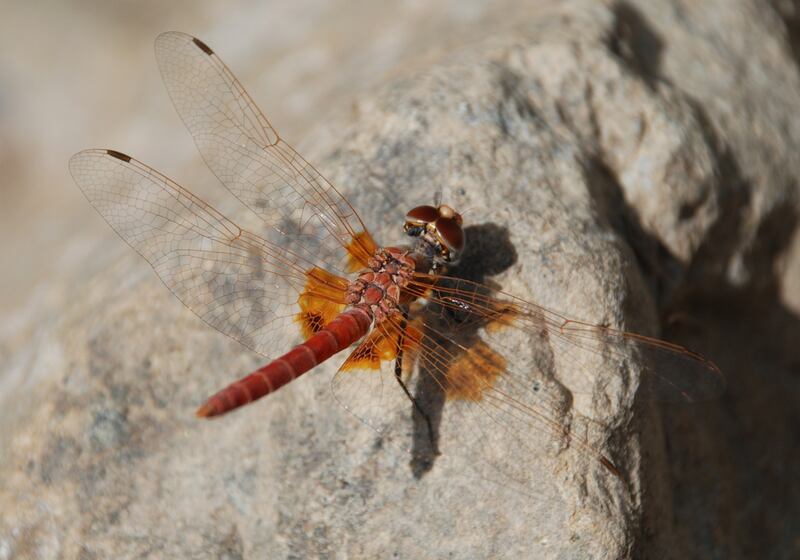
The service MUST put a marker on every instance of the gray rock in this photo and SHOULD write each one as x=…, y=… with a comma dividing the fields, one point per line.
x=634, y=166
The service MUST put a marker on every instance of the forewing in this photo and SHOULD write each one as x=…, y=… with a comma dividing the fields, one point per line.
x=668, y=372
x=237, y=282
x=248, y=156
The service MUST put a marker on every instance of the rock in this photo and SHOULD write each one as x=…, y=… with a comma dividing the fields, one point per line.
x=632, y=166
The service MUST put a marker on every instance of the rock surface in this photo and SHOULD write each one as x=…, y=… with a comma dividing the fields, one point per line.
x=632, y=164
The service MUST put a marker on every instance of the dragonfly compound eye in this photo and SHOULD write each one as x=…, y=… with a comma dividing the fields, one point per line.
x=450, y=234
x=422, y=215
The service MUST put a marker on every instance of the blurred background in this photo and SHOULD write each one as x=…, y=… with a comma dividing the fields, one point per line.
x=81, y=74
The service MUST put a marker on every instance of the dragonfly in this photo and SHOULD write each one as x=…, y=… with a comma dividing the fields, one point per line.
x=315, y=283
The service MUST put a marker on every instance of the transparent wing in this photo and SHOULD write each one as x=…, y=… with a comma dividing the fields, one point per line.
x=237, y=282
x=489, y=371
x=500, y=415
x=248, y=156
x=667, y=371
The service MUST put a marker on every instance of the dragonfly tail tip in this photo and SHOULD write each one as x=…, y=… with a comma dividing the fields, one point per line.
x=206, y=411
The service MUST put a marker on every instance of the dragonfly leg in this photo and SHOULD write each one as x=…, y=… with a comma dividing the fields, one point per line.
x=398, y=374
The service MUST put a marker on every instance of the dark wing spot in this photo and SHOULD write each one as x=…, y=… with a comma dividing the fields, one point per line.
x=118, y=155
x=202, y=46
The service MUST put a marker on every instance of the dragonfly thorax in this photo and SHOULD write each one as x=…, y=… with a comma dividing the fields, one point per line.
x=377, y=289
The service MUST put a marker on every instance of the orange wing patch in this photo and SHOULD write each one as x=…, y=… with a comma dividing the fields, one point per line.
x=473, y=372
x=321, y=302
x=359, y=251
x=383, y=344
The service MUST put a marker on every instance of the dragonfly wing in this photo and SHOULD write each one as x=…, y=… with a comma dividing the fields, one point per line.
x=503, y=372
x=365, y=384
x=237, y=282
x=667, y=371
x=249, y=157
x=481, y=396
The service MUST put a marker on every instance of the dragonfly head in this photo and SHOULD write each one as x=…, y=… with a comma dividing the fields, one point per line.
x=438, y=229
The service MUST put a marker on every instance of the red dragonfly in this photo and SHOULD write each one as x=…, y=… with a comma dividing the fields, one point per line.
x=317, y=275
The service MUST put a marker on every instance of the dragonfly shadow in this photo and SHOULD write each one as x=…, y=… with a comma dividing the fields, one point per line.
x=488, y=252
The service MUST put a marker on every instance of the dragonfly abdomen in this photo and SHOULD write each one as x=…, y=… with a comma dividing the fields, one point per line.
x=334, y=337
